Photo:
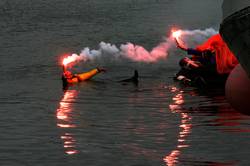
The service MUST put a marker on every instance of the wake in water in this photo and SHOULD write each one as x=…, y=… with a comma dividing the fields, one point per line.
x=138, y=53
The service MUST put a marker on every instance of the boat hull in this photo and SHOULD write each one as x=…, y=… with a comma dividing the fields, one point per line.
x=235, y=31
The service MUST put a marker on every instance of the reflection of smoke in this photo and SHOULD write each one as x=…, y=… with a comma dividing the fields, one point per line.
x=138, y=53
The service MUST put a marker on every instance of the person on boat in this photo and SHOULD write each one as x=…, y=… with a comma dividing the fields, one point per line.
x=68, y=78
x=212, y=58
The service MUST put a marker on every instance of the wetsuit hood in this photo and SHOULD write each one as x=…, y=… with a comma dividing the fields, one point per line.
x=67, y=74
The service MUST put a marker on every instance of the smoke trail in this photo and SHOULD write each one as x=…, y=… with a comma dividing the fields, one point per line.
x=138, y=53
x=206, y=33
x=105, y=49
x=197, y=36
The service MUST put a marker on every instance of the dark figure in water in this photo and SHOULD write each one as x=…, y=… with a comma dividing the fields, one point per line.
x=210, y=63
x=133, y=79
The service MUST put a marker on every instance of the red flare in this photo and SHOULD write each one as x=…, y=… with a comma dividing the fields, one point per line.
x=68, y=60
x=176, y=34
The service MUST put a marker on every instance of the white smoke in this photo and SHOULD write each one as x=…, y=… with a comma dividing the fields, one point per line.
x=194, y=37
x=138, y=53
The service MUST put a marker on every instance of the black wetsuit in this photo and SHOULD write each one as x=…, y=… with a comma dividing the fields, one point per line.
x=206, y=58
x=205, y=72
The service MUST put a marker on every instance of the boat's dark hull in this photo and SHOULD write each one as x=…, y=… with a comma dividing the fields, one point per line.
x=235, y=31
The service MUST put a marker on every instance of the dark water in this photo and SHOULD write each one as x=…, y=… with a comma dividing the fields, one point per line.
x=102, y=122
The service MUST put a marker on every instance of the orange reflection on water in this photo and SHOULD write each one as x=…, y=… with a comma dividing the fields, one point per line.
x=185, y=129
x=64, y=110
x=64, y=121
x=65, y=125
x=69, y=143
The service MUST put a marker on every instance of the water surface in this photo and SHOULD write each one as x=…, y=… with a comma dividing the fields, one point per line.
x=102, y=122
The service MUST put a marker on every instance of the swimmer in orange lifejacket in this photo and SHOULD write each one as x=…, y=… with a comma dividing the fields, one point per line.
x=68, y=78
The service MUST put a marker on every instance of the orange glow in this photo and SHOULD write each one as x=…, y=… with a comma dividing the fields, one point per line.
x=64, y=110
x=66, y=125
x=68, y=146
x=68, y=60
x=174, y=107
x=68, y=142
x=172, y=158
x=173, y=89
x=65, y=137
x=70, y=152
x=176, y=34
x=177, y=100
x=64, y=118
x=71, y=58
x=182, y=146
x=185, y=128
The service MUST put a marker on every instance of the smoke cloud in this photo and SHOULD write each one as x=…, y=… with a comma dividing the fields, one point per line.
x=138, y=53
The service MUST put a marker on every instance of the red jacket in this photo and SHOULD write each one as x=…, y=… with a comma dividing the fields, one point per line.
x=225, y=59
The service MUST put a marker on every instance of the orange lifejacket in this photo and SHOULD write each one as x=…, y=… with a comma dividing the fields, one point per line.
x=225, y=59
x=82, y=76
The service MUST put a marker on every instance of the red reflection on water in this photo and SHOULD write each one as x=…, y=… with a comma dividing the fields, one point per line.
x=64, y=121
x=185, y=128
x=231, y=120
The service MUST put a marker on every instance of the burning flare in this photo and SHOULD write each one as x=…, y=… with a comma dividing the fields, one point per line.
x=176, y=34
x=69, y=59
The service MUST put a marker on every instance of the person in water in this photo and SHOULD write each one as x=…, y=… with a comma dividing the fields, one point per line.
x=133, y=79
x=68, y=78
x=212, y=58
